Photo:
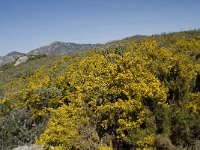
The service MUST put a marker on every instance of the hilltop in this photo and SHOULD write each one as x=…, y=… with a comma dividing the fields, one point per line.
x=60, y=48
x=10, y=57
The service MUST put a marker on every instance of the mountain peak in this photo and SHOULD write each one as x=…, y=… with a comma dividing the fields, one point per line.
x=56, y=42
x=15, y=53
x=60, y=48
x=10, y=57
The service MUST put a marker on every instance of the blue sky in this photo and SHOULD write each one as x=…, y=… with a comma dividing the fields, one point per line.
x=28, y=24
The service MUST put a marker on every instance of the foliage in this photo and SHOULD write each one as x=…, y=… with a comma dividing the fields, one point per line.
x=18, y=128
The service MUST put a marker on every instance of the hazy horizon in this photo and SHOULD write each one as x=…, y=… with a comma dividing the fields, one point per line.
x=26, y=25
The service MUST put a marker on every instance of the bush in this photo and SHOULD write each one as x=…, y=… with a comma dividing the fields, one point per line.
x=17, y=128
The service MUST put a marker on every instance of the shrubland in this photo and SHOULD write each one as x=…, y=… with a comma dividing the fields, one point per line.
x=137, y=93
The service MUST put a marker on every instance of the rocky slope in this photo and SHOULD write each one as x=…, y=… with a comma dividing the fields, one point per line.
x=60, y=48
x=10, y=57
x=55, y=48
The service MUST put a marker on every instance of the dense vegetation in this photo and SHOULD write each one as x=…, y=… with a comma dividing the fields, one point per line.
x=142, y=92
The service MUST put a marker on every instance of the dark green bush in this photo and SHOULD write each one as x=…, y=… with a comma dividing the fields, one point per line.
x=17, y=128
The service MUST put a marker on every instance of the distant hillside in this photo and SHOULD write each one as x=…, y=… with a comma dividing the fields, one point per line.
x=60, y=48
x=10, y=57
x=14, y=54
x=55, y=48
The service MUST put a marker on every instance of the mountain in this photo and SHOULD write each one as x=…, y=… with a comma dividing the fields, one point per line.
x=55, y=48
x=10, y=57
x=14, y=54
x=60, y=48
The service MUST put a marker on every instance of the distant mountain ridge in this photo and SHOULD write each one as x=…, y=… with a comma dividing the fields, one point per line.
x=60, y=48
x=55, y=48
x=14, y=53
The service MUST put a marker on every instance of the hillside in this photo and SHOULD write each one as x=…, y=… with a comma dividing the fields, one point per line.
x=10, y=57
x=54, y=49
x=60, y=48
x=141, y=92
